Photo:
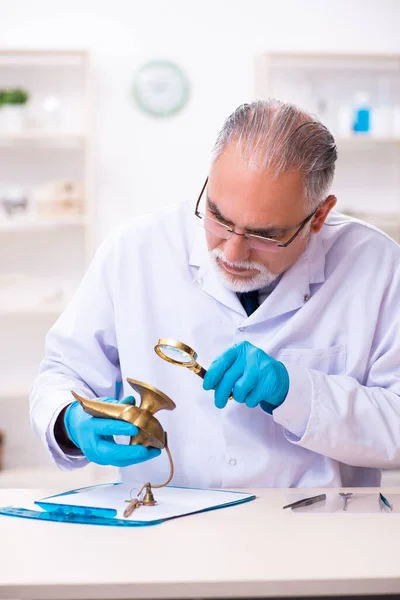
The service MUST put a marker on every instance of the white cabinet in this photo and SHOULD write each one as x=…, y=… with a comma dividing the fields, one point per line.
x=333, y=86
x=46, y=217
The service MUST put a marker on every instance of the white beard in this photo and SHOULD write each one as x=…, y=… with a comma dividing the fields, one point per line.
x=262, y=279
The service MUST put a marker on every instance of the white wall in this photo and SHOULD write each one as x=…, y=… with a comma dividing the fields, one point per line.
x=141, y=163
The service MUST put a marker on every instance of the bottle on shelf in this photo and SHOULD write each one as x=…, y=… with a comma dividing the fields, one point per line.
x=395, y=121
x=381, y=116
x=344, y=125
x=362, y=113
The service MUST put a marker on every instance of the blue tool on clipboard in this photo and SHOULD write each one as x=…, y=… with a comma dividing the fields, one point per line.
x=13, y=511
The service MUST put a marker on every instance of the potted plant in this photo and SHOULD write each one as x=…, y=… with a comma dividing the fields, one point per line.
x=12, y=109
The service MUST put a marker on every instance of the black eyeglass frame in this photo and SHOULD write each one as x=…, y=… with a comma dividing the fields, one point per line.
x=260, y=237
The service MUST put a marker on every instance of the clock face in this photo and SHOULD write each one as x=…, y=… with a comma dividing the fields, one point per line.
x=161, y=88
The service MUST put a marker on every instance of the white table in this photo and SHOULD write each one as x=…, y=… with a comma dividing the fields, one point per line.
x=251, y=550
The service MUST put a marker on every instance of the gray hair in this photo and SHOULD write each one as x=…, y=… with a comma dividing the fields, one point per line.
x=281, y=137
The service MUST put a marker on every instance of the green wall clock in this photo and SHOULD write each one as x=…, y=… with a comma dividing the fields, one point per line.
x=161, y=88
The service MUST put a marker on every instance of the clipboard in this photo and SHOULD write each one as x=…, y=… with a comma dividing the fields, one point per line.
x=103, y=505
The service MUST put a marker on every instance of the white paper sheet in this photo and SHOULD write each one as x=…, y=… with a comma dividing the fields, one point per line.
x=171, y=501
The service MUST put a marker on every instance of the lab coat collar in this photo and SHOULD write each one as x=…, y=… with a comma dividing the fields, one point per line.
x=295, y=287
x=290, y=294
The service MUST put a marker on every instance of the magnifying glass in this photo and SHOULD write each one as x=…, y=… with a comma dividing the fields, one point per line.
x=178, y=353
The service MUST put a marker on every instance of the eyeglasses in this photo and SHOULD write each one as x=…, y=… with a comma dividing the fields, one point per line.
x=256, y=242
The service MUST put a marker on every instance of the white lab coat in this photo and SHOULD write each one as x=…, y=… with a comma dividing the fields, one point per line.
x=333, y=320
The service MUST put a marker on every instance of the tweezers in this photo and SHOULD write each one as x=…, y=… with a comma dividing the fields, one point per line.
x=384, y=502
x=306, y=501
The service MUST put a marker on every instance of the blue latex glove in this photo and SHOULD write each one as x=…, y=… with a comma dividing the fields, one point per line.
x=93, y=436
x=250, y=375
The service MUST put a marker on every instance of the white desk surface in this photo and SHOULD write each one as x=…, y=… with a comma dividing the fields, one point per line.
x=254, y=549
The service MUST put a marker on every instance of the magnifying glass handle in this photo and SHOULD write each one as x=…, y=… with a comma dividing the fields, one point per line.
x=202, y=372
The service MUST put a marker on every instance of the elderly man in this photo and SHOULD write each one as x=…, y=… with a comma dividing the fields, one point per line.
x=295, y=307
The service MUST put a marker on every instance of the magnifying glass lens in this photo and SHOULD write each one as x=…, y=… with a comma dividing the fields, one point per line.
x=176, y=354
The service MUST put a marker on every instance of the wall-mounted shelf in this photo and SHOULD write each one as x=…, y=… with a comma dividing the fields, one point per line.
x=15, y=390
x=46, y=231
x=32, y=310
x=366, y=139
x=367, y=177
x=380, y=220
x=54, y=478
x=43, y=138
x=36, y=57
x=26, y=224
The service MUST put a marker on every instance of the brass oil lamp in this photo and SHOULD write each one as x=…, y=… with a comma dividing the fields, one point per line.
x=150, y=433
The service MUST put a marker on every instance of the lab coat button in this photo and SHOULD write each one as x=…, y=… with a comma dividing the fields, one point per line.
x=233, y=462
x=306, y=297
x=242, y=329
x=199, y=281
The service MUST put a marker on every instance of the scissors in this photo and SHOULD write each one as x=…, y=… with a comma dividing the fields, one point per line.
x=345, y=496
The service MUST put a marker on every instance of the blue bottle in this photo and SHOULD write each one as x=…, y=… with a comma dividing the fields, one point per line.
x=362, y=111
